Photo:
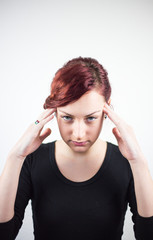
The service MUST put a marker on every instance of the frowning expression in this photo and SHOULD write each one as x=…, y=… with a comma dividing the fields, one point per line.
x=80, y=122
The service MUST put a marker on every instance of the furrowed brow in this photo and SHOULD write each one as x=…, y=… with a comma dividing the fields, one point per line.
x=85, y=116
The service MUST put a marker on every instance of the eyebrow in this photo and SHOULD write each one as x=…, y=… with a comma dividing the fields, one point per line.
x=85, y=116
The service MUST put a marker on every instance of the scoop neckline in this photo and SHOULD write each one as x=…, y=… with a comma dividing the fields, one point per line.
x=82, y=183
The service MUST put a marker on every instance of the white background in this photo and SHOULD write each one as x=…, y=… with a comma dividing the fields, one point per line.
x=38, y=37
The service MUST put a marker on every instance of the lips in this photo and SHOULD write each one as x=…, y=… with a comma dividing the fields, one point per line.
x=79, y=143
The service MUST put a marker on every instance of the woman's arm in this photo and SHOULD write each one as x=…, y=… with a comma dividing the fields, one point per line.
x=130, y=149
x=8, y=186
x=9, y=178
x=143, y=185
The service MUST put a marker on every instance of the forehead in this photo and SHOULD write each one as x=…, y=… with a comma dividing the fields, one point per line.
x=86, y=104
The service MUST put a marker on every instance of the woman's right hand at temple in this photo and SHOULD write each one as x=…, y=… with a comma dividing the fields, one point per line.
x=33, y=136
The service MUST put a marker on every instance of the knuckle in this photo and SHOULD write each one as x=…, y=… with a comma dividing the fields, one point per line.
x=40, y=125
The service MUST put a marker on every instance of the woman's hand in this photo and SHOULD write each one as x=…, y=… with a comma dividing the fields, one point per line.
x=125, y=136
x=33, y=136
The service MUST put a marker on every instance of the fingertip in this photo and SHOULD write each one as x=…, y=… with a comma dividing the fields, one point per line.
x=106, y=104
x=105, y=110
x=116, y=133
x=106, y=107
x=49, y=131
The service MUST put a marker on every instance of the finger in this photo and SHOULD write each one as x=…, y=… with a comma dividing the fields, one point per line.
x=116, y=134
x=113, y=116
x=47, y=119
x=45, y=134
x=39, y=126
x=46, y=113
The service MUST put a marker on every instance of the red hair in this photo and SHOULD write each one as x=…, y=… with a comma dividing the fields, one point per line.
x=74, y=79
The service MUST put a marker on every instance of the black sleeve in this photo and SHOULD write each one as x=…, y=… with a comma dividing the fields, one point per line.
x=143, y=226
x=10, y=229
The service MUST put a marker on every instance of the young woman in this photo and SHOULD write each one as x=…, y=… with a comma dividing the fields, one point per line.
x=79, y=186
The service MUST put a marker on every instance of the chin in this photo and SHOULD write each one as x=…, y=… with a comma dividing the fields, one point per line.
x=79, y=150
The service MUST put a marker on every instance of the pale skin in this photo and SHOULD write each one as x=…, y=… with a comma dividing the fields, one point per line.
x=29, y=142
x=75, y=124
x=79, y=165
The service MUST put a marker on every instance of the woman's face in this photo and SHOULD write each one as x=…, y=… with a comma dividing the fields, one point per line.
x=80, y=122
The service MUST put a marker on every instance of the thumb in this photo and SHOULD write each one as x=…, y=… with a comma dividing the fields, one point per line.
x=116, y=133
x=45, y=134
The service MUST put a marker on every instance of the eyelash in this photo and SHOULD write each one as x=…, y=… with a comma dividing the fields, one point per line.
x=68, y=119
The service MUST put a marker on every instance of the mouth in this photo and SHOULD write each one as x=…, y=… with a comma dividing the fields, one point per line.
x=79, y=143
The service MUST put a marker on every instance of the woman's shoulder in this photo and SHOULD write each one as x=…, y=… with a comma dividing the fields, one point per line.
x=118, y=167
x=116, y=156
x=114, y=149
x=43, y=152
x=44, y=148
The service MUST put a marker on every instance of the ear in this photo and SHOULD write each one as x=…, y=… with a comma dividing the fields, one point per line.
x=109, y=102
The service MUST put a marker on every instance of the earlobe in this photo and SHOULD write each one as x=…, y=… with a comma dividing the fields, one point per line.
x=105, y=115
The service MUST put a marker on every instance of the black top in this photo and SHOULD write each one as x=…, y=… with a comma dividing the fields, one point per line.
x=63, y=209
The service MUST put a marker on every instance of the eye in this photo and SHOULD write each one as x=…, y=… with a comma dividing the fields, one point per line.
x=67, y=118
x=91, y=119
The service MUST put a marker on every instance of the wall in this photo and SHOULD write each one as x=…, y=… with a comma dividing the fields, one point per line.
x=38, y=37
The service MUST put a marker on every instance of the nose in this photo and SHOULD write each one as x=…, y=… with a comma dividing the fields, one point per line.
x=79, y=131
